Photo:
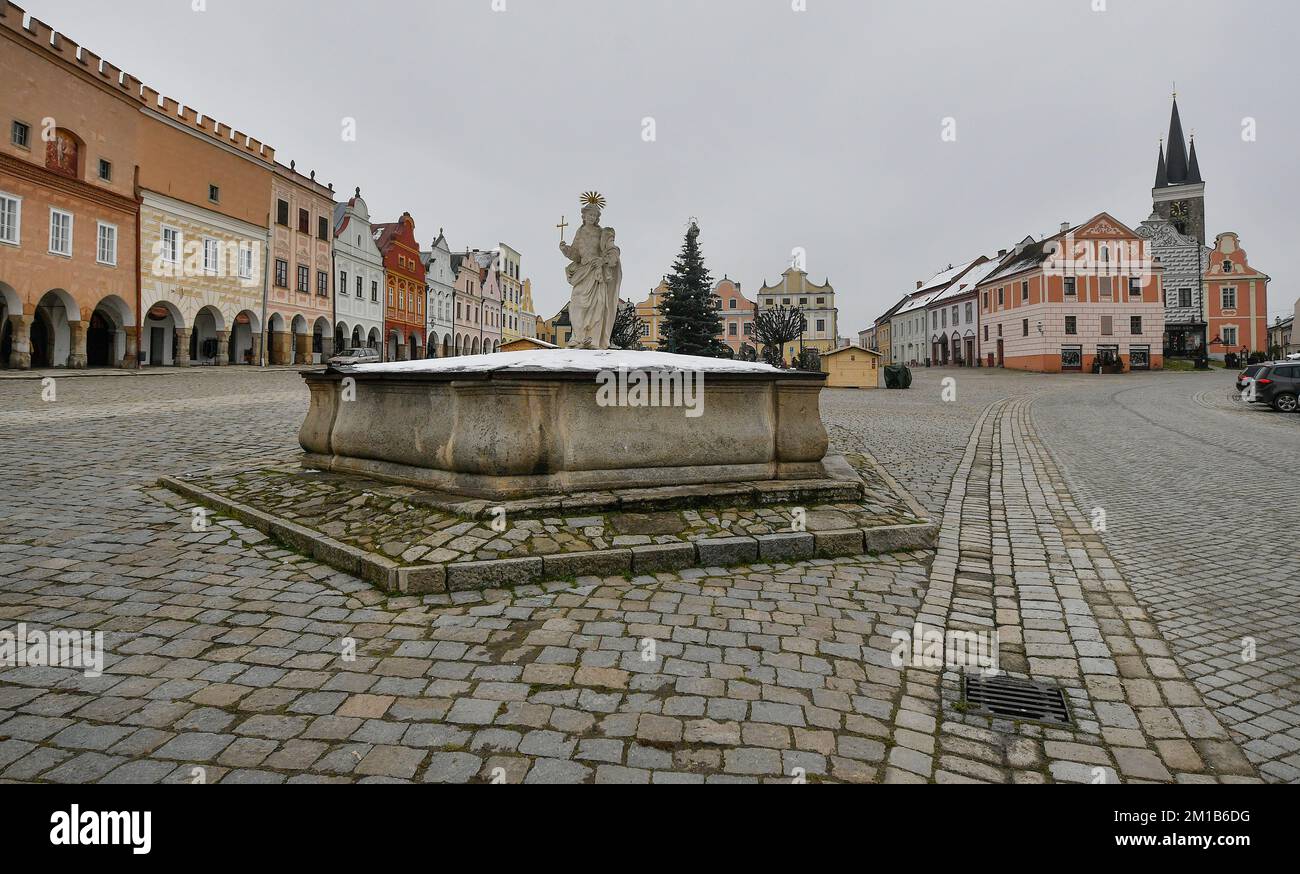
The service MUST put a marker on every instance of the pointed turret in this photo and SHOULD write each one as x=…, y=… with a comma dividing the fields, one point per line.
x=1162, y=175
x=1193, y=168
x=1176, y=160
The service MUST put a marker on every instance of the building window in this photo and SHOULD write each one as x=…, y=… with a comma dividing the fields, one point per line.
x=11, y=215
x=1230, y=335
x=934, y=321
x=1071, y=286
x=245, y=262
x=343, y=282
x=1072, y=358
x=60, y=232
x=1107, y=326
x=304, y=279
x=970, y=311
x=20, y=135
x=1072, y=325
x=106, y=245
x=214, y=193
x=1184, y=297
x=281, y=273
x=731, y=304
x=1107, y=293
x=374, y=292
x=1024, y=291
x=731, y=329
x=1135, y=325
x=211, y=256
x=1135, y=286
x=1001, y=297
x=322, y=228
x=304, y=222
x=999, y=329
x=171, y=245
x=1228, y=297
x=105, y=170
x=323, y=283
x=360, y=294
x=1139, y=357
x=1024, y=327
x=1227, y=266
x=821, y=325
x=986, y=333
x=282, y=213
x=986, y=301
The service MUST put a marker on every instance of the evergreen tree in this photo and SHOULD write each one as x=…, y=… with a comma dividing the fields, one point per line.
x=628, y=325
x=691, y=325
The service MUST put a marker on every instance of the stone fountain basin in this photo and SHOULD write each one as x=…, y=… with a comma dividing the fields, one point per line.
x=514, y=425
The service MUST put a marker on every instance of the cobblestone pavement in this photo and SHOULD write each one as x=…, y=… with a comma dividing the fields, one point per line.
x=226, y=651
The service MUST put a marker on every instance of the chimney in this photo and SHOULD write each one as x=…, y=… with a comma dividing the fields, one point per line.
x=919, y=283
x=1065, y=226
x=1002, y=253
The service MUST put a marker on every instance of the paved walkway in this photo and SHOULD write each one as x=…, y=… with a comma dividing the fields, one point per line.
x=231, y=655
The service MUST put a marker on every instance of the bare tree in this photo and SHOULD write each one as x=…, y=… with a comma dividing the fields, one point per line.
x=775, y=327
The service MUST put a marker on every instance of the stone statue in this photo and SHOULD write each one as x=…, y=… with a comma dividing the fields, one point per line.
x=596, y=273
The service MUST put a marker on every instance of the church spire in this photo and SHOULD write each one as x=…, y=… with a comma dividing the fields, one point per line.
x=1162, y=175
x=1176, y=160
x=1193, y=168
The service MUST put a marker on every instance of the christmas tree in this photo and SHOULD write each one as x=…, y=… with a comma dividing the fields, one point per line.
x=691, y=323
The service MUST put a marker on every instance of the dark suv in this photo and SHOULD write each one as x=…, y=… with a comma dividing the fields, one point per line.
x=1278, y=385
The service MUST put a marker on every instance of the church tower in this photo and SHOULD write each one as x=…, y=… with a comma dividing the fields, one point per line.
x=1179, y=193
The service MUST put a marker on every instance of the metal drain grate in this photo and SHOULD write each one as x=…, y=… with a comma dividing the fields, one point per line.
x=1017, y=699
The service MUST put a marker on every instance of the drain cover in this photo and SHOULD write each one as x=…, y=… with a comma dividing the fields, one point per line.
x=1018, y=699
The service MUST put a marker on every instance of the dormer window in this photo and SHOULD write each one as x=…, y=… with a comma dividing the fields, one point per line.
x=1227, y=266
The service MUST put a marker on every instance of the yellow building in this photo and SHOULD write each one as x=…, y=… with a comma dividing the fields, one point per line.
x=648, y=310
x=512, y=295
x=817, y=303
x=527, y=315
x=526, y=344
x=852, y=367
x=557, y=329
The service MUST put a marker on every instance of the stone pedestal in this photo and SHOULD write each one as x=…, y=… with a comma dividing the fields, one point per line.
x=182, y=347
x=20, y=354
x=223, y=348
x=514, y=430
x=77, y=339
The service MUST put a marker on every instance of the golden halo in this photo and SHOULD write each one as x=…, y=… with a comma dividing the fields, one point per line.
x=593, y=198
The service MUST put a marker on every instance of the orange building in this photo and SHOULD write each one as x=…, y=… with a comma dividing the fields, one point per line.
x=651, y=317
x=1236, y=297
x=1090, y=293
x=68, y=207
x=405, y=295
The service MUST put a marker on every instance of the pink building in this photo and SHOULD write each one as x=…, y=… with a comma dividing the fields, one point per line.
x=737, y=313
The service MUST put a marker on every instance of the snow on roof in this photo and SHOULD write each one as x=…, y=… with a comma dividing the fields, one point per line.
x=968, y=282
x=590, y=360
x=945, y=277
x=918, y=302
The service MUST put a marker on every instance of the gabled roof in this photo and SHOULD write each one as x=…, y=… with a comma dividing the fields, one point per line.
x=853, y=346
x=967, y=282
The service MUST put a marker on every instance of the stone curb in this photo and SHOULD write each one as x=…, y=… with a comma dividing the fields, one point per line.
x=786, y=546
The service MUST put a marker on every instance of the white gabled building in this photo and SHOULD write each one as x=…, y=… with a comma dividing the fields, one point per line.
x=359, y=278
x=440, y=287
x=909, y=326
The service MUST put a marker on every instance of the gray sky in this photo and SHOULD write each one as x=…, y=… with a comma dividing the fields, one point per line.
x=774, y=128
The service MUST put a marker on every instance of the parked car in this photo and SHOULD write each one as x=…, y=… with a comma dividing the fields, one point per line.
x=1251, y=371
x=356, y=355
x=1278, y=385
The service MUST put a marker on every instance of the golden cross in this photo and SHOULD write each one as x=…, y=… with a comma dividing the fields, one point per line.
x=562, y=225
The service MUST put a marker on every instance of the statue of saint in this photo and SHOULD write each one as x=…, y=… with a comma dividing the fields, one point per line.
x=596, y=273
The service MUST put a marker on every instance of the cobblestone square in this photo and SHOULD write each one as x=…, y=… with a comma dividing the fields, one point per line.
x=228, y=653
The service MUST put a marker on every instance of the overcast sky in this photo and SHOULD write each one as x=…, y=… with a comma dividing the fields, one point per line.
x=774, y=128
